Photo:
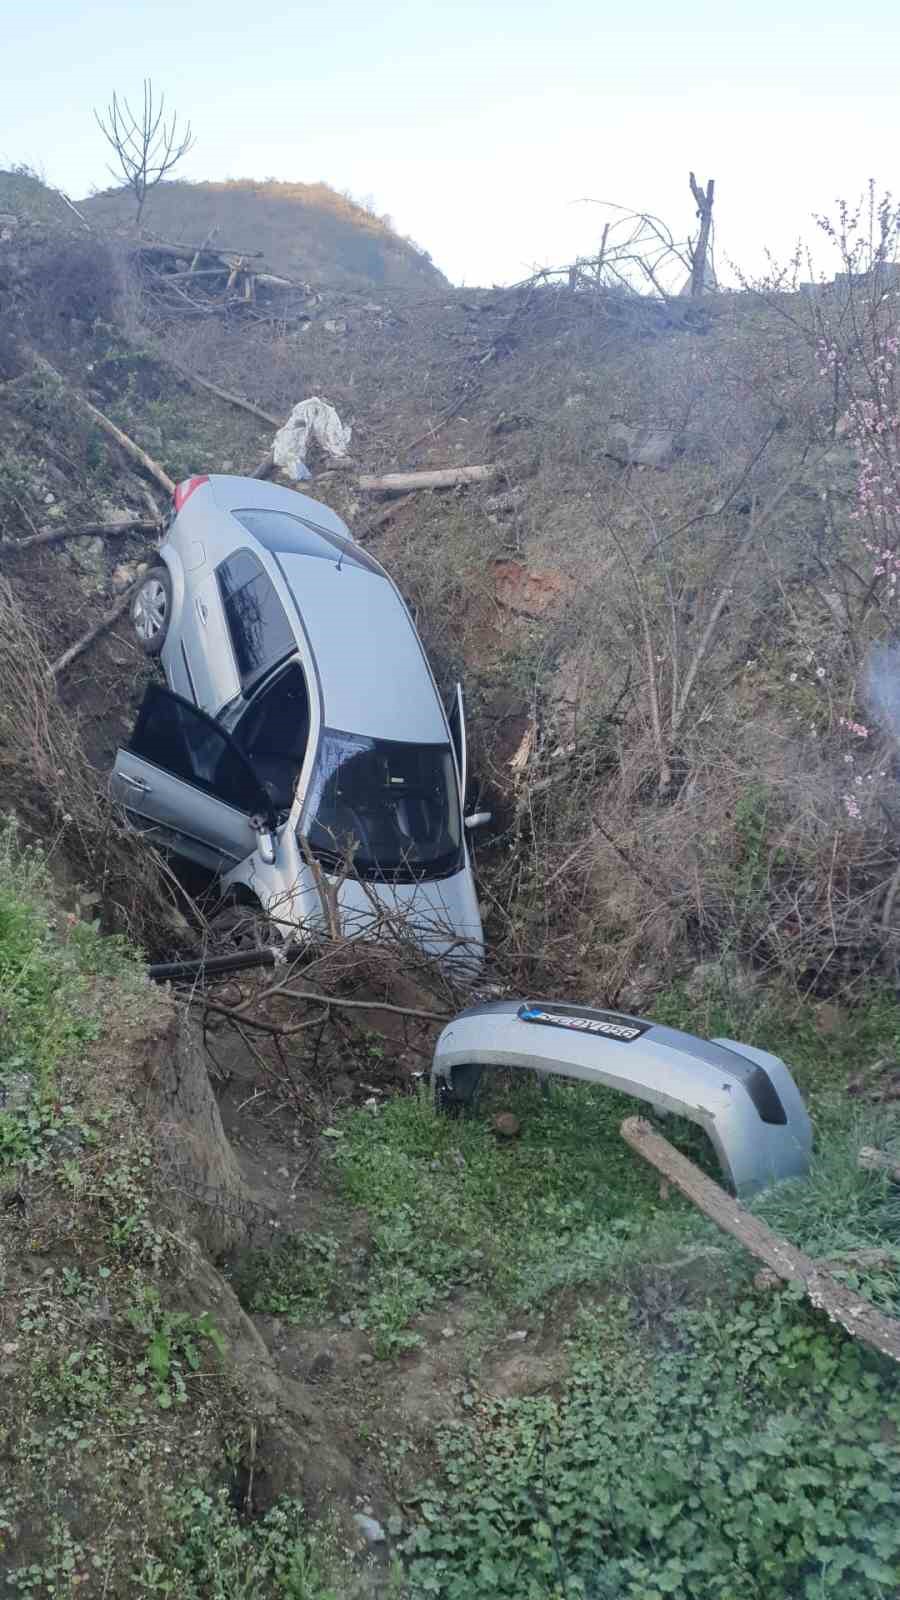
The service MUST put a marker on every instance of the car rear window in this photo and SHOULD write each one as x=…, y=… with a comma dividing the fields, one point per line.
x=260, y=631
x=283, y=534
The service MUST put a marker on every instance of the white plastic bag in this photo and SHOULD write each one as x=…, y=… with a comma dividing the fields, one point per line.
x=312, y=419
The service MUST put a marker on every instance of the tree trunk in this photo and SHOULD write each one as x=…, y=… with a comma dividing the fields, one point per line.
x=704, y=199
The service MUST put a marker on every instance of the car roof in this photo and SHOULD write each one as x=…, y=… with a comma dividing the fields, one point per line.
x=372, y=669
x=237, y=494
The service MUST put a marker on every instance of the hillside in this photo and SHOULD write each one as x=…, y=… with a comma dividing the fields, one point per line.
x=307, y=231
x=309, y=1340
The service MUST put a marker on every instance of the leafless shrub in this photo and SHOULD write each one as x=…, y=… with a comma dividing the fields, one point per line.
x=145, y=146
x=46, y=778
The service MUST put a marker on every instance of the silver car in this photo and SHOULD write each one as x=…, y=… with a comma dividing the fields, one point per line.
x=301, y=733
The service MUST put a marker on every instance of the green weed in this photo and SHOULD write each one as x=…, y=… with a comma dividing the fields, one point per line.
x=748, y=1460
x=296, y=1279
x=173, y=1347
x=210, y=1555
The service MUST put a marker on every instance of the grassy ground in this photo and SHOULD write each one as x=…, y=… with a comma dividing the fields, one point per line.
x=121, y=1421
x=690, y=1436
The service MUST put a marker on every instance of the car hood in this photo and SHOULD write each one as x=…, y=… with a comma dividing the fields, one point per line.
x=372, y=670
x=441, y=916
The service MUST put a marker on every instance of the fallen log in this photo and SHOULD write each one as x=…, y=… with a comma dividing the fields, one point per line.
x=87, y=639
x=879, y=1161
x=440, y=478
x=128, y=445
x=161, y=247
x=865, y=1260
x=90, y=530
x=840, y=1304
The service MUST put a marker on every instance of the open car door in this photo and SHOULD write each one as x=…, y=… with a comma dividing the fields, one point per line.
x=182, y=778
x=457, y=721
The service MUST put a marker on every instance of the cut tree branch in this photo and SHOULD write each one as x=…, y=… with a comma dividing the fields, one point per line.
x=841, y=1305
x=90, y=530
x=225, y=394
x=150, y=466
x=78, y=648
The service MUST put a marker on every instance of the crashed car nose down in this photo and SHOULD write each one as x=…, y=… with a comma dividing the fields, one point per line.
x=301, y=731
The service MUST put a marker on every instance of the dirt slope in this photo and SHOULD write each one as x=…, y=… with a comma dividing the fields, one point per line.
x=309, y=232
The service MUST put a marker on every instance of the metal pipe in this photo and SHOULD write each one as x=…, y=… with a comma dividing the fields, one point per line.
x=211, y=966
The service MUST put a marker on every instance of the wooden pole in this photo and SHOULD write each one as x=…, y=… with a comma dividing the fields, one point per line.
x=842, y=1305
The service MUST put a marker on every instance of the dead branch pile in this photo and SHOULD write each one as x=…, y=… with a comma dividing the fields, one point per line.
x=46, y=778
x=201, y=281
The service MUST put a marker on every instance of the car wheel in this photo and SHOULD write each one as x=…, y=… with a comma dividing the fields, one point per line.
x=151, y=610
x=238, y=926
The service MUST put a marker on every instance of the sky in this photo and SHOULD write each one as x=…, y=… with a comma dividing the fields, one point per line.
x=483, y=129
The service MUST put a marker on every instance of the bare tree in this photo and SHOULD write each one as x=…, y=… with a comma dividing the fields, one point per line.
x=702, y=275
x=146, y=146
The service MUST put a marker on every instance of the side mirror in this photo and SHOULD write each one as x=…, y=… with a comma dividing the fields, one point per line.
x=267, y=847
x=478, y=819
x=266, y=839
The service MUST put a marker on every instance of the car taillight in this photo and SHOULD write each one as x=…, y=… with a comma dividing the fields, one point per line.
x=184, y=490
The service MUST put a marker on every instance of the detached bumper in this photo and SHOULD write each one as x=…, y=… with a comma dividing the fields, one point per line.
x=744, y=1099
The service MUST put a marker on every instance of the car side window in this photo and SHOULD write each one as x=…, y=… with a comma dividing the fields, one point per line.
x=260, y=631
x=273, y=734
x=172, y=734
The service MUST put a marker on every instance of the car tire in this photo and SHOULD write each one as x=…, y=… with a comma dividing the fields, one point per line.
x=239, y=926
x=151, y=610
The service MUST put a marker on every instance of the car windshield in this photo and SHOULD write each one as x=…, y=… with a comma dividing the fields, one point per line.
x=393, y=809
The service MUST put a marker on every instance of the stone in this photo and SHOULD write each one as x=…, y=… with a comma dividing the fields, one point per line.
x=635, y=446
x=126, y=573
x=16, y=1092
x=830, y=1018
x=372, y=1531
x=90, y=556
x=365, y=1360
x=322, y=1366
x=506, y=1125
x=519, y=1337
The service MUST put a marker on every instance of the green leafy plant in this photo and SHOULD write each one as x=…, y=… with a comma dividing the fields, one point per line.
x=295, y=1279
x=173, y=1341
x=747, y=1458
x=209, y=1555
